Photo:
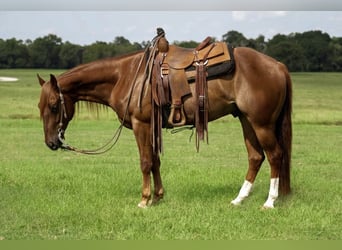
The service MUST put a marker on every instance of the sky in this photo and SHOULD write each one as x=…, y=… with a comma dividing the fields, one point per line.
x=90, y=23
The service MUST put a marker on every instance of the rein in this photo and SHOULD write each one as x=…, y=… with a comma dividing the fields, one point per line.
x=65, y=146
x=112, y=142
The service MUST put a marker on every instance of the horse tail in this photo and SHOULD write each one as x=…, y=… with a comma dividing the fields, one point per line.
x=284, y=135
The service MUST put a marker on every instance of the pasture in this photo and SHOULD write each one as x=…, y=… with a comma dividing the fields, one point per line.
x=64, y=195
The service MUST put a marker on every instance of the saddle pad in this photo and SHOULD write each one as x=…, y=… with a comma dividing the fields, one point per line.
x=213, y=71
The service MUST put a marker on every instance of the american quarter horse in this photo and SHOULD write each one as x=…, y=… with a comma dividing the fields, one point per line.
x=259, y=93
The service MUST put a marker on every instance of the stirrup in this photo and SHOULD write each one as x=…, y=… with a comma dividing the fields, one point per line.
x=172, y=114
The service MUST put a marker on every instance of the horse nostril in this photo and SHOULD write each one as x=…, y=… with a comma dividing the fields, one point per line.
x=52, y=145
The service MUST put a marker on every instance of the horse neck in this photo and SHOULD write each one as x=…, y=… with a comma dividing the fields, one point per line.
x=96, y=81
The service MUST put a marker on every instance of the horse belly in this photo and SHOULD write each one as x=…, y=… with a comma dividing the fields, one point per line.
x=220, y=100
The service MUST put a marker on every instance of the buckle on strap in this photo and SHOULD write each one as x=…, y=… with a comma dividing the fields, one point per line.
x=164, y=70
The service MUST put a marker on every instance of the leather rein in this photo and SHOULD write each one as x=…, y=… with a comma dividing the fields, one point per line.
x=103, y=149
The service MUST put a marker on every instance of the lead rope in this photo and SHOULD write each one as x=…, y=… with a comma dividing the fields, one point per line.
x=112, y=142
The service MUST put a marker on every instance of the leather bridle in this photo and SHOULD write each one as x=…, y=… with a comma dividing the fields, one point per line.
x=63, y=114
x=60, y=130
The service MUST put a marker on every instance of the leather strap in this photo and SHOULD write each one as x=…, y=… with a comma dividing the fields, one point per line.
x=201, y=119
x=203, y=44
x=202, y=104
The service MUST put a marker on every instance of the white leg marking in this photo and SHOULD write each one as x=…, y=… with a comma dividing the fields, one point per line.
x=273, y=194
x=142, y=205
x=244, y=192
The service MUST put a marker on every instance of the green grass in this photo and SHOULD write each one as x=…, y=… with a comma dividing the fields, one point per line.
x=63, y=195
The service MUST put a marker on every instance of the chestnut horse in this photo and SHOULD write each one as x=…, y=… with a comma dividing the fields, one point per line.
x=259, y=93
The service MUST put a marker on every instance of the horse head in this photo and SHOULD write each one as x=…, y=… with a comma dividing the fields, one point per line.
x=56, y=110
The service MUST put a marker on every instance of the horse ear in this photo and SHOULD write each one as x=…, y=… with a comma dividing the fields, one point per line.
x=41, y=80
x=53, y=82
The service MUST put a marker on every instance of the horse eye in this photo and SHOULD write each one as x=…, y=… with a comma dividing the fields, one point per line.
x=54, y=109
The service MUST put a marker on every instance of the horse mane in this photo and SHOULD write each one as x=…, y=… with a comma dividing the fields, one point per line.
x=91, y=107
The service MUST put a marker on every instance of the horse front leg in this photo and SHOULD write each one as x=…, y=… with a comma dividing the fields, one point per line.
x=149, y=162
x=158, y=186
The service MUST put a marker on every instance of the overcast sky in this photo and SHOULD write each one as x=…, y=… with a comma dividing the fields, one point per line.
x=100, y=21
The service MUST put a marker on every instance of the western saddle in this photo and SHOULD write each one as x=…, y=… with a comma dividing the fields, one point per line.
x=174, y=68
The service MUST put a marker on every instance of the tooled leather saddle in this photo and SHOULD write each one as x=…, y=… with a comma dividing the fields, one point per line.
x=173, y=70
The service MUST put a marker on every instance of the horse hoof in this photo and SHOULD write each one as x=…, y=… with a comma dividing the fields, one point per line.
x=236, y=202
x=142, y=205
x=145, y=204
x=267, y=207
x=157, y=199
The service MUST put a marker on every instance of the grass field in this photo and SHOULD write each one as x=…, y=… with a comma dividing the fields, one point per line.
x=63, y=195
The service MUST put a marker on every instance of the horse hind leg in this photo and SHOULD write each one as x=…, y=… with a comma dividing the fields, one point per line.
x=255, y=159
x=268, y=141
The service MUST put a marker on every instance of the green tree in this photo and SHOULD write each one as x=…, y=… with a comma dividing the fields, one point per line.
x=123, y=46
x=186, y=44
x=316, y=49
x=97, y=51
x=289, y=53
x=235, y=39
x=336, y=54
x=13, y=54
x=44, y=52
x=258, y=44
x=70, y=55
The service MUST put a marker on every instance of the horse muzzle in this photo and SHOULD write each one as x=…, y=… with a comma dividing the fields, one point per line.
x=57, y=142
x=54, y=145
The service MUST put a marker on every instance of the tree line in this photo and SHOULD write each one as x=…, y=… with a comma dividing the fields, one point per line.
x=308, y=51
